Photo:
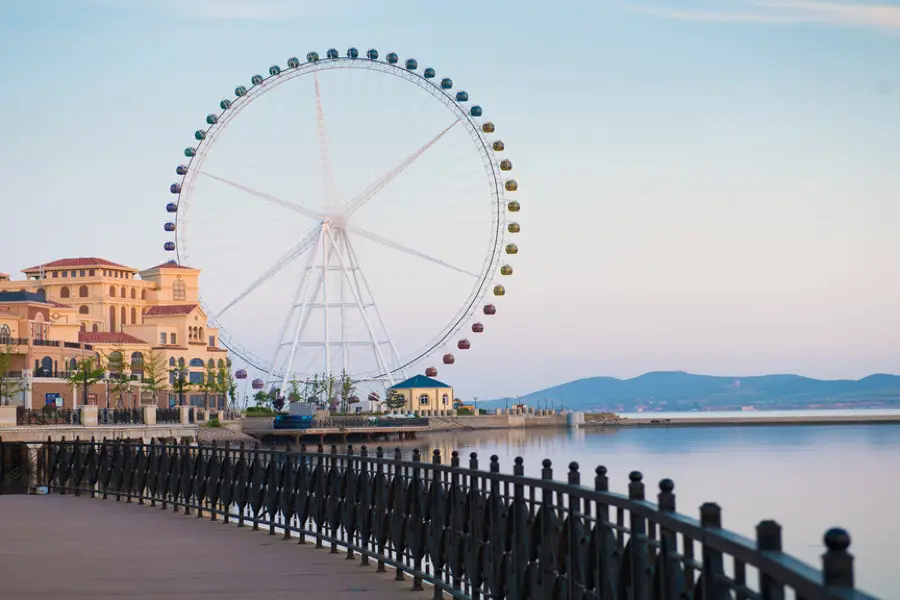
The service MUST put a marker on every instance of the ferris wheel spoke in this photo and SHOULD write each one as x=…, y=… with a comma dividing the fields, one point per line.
x=324, y=154
x=392, y=244
x=358, y=201
x=307, y=212
x=309, y=240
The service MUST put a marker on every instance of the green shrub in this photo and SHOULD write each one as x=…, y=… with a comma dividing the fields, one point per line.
x=259, y=411
x=214, y=422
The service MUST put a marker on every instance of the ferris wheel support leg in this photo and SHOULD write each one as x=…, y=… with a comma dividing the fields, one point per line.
x=346, y=355
x=357, y=297
x=301, y=316
x=326, y=237
x=362, y=277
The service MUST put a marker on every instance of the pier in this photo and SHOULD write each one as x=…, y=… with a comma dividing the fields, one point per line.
x=457, y=528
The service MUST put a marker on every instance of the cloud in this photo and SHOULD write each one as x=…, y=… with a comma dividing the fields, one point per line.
x=843, y=13
x=247, y=10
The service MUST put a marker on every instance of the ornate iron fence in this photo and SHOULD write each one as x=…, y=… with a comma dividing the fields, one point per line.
x=47, y=416
x=470, y=533
x=354, y=422
x=120, y=416
x=167, y=415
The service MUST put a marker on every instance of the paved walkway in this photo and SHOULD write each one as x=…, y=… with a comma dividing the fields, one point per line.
x=73, y=548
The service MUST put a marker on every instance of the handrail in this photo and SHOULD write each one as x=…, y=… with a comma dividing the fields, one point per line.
x=468, y=532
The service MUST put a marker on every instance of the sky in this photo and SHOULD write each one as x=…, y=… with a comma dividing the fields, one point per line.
x=705, y=186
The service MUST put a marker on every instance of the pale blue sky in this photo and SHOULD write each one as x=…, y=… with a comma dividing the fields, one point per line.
x=706, y=186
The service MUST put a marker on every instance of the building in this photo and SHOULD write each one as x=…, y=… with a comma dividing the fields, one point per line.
x=134, y=321
x=424, y=395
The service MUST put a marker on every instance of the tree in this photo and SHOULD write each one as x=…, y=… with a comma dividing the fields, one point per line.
x=347, y=390
x=228, y=386
x=9, y=385
x=396, y=400
x=87, y=372
x=294, y=394
x=155, y=373
x=119, y=378
x=180, y=381
x=262, y=398
x=210, y=384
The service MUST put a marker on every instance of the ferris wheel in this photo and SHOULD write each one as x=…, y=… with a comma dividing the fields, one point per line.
x=308, y=281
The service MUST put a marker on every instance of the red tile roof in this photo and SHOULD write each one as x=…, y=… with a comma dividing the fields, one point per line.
x=165, y=311
x=77, y=262
x=108, y=337
x=170, y=265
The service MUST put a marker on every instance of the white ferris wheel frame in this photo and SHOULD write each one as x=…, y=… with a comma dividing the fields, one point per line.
x=326, y=238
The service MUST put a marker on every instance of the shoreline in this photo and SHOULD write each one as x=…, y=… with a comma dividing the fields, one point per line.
x=663, y=421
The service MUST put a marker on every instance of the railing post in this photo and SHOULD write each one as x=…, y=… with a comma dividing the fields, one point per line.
x=668, y=545
x=768, y=539
x=837, y=562
x=575, y=587
x=713, y=565
x=416, y=519
x=380, y=508
x=638, y=540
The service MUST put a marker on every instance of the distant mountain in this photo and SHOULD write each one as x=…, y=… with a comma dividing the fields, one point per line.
x=676, y=390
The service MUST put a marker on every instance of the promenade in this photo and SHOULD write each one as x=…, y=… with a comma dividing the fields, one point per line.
x=75, y=547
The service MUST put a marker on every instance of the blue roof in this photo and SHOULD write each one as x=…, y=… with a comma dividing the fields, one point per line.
x=22, y=297
x=419, y=381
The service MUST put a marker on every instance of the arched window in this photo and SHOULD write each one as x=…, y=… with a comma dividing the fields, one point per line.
x=116, y=362
x=124, y=314
x=41, y=292
x=445, y=399
x=179, y=291
x=210, y=364
x=197, y=362
x=221, y=364
x=171, y=361
x=5, y=334
x=83, y=292
x=112, y=291
x=122, y=291
x=133, y=316
x=83, y=327
x=200, y=333
x=112, y=318
x=143, y=294
x=84, y=310
x=181, y=362
x=64, y=292
x=73, y=365
x=424, y=400
x=133, y=293
x=95, y=328
x=46, y=367
x=137, y=363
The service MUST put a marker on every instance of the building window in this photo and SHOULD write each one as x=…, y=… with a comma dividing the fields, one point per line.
x=137, y=363
x=197, y=362
x=122, y=292
x=74, y=273
x=124, y=314
x=83, y=310
x=92, y=272
x=42, y=293
x=5, y=334
x=221, y=364
x=143, y=294
x=171, y=360
x=55, y=274
x=162, y=341
x=83, y=292
x=424, y=400
x=212, y=342
x=133, y=316
x=81, y=273
x=83, y=327
x=65, y=273
x=196, y=377
x=64, y=292
x=211, y=364
x=172, y=339
x=95, y=328
x=112, y=318
x=112, y=292
x=178, y=290
x=445, y=399
x=133, y=293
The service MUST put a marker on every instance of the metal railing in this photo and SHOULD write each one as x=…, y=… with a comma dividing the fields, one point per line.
x=42, y=374
x=120, y=416
x=47, y=416
x=167, y=415
x=468, y=532
x=11, y=341
x=353, y=422
x=51, y=343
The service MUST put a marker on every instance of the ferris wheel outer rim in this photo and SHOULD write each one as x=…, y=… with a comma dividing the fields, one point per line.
x=495, y=180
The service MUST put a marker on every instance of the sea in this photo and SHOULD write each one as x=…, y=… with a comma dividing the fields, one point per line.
x=807, y=477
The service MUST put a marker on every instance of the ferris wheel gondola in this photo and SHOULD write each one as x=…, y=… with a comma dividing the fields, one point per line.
x=329, y=247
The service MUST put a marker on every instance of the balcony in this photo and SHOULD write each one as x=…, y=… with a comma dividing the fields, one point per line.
x=11, y=341
x=50, y=343
x=42, y=374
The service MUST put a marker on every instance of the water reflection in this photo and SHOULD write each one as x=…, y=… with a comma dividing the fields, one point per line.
x=808, y=478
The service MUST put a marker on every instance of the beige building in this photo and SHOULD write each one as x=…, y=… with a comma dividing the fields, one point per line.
x=70, y=308
x=424, y=395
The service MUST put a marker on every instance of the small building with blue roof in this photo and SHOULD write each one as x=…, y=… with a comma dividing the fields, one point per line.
x=423, y=395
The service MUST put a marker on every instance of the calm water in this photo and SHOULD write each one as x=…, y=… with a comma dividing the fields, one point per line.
x=808, y=478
